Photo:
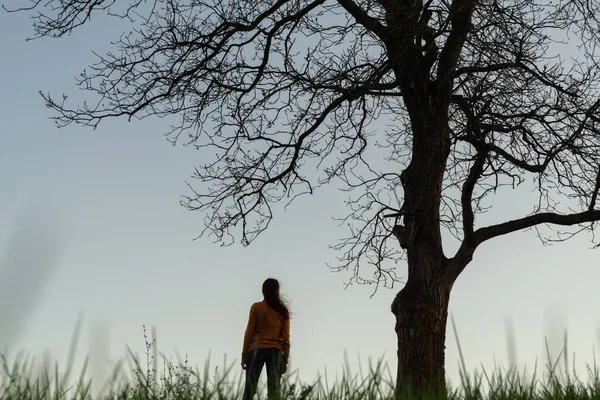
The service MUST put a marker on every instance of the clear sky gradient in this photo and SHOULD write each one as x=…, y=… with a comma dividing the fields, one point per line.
x=119, y=248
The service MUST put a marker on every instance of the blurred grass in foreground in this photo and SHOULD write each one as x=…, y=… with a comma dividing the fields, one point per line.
x=144, y=380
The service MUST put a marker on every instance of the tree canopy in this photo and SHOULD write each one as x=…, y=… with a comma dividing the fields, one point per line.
x=288, y=95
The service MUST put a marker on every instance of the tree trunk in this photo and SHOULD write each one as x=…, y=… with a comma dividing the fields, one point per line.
x=421, y=310
x=421, y=307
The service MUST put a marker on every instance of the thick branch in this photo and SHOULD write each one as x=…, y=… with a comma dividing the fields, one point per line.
x=534, y=168
x=467, y=194
x=595, y=193
x=461, y=12
x=489, y=232
x=362, y=17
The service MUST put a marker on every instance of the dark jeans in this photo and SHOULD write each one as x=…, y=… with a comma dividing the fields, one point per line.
x=273, y=359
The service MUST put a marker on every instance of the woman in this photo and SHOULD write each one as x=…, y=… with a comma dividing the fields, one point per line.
x=267, y=341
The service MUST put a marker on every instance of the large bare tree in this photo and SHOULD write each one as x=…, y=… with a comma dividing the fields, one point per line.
x=421, y=110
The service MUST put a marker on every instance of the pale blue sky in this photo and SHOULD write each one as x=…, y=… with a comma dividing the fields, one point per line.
x=129, y=258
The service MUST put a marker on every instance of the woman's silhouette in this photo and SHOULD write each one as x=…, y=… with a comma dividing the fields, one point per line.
x=267, y=341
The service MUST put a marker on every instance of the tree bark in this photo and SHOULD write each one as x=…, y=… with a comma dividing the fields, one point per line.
x=421, y=307
x=421, y=310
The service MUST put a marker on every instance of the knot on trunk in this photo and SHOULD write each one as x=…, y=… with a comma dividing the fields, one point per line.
x=394, y=306
x=404, y=234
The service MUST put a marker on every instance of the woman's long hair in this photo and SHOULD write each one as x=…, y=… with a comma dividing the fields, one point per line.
x=270, y=290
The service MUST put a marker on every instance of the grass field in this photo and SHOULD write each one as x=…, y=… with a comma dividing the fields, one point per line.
x=158, y=378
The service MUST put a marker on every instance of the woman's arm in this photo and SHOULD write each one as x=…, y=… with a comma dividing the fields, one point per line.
x=250, y=328
x=285, y=337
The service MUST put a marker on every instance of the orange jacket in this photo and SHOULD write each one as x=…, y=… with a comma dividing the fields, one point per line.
x=266, y=328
